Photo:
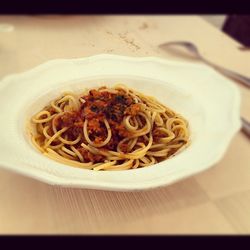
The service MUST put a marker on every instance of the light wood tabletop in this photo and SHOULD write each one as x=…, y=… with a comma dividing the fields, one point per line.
x=216, y=201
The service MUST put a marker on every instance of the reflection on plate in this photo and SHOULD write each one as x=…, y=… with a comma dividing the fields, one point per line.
x=210, y=102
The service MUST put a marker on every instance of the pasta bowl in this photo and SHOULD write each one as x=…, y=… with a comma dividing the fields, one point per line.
x=209, y=101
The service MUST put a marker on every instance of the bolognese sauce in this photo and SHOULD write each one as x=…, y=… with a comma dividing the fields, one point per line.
x=97, y=106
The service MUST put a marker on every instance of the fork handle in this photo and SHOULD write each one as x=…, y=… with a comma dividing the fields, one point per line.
x=243, y=79
x=245, y=127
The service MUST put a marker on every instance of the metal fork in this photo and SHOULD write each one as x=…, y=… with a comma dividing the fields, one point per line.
x=194, y=50
x=243, y=79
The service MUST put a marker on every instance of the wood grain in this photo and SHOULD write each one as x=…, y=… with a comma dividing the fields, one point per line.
x=235, y=208
x=215, y=201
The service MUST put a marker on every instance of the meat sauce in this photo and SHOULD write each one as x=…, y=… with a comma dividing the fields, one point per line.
x=99, y=105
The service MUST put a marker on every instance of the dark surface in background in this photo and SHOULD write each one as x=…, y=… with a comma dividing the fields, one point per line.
x=238, y=27
x=127, y=242
x=123, y=6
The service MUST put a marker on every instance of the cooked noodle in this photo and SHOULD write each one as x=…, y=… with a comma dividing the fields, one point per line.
x=109, y=129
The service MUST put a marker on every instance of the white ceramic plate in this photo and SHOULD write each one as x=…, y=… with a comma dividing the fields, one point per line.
x=209, y=101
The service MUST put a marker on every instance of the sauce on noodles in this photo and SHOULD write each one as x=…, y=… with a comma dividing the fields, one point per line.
x=109, y=129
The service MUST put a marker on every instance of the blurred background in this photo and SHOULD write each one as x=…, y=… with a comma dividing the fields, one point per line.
x=237, y=26
x=217, y=20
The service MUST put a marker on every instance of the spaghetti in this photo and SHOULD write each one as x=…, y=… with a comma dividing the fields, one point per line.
x=108, y=129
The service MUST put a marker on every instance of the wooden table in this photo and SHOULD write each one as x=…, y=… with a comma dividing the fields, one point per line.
x=214, y=202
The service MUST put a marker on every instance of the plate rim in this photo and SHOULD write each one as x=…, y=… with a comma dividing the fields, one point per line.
x=59, y=180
